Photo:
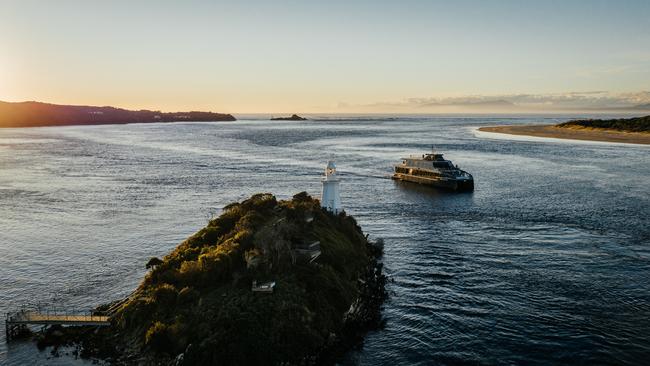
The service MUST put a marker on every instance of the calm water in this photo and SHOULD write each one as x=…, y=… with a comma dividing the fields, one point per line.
x=547, y=262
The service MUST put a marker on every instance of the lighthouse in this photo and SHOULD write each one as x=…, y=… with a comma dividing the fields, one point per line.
x=331, y=198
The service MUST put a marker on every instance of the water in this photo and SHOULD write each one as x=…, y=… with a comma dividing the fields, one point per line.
x=546, y=262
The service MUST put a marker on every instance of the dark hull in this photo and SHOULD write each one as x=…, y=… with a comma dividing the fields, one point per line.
x=450, y=184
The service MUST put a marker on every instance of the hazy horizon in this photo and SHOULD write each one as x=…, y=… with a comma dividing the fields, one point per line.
x=335, y=57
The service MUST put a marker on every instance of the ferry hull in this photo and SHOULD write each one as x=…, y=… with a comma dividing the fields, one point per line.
x=466, y=185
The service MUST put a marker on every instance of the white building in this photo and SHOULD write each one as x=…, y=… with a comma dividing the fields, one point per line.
x=331, y=198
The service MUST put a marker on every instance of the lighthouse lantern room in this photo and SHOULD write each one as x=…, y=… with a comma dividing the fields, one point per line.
x=331, y=198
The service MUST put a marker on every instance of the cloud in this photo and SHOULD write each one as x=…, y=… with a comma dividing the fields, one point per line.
x=637, y=98
x=597, y=72
x=576, y=100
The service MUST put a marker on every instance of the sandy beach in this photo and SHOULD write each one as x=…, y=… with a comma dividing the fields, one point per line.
x=572, y=133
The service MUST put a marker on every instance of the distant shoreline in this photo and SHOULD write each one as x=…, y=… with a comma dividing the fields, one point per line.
x=36, y=114
x=586, y=134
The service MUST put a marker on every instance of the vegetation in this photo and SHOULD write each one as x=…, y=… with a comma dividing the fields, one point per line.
x=198, y=300
x=638, y=124
x=153, y=262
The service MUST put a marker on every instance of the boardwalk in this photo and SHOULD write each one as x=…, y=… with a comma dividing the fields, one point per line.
x=16, y=322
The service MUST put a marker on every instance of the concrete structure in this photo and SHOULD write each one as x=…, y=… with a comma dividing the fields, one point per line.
x=331, y=197
x=266, y=288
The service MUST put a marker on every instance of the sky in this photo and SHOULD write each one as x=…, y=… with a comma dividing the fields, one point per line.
x=329, y=56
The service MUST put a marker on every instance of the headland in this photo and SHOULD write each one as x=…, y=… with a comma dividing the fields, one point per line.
x=267, y=282
x=36, y=114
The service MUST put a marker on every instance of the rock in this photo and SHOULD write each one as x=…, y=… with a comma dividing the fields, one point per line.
x=294, y=117
x=178, y=361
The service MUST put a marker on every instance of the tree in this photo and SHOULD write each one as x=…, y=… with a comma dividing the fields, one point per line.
x=153, y=262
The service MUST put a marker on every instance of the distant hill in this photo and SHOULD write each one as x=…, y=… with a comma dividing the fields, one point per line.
x=637, y=124
x=36, y=114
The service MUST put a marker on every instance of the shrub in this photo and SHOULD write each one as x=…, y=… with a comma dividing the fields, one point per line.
x=244, y=237
x=228, y=219
x=215, y=265
x=190, y=272
x=260, y=202
x=211, y=234
x=165, y=294
x=188, y=295
x=135, y=312
x=158, y=337
x=170, y=276
x=302, y=197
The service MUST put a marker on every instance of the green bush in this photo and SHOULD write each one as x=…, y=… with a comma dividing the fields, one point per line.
x=158, y=337
x=188, y=295
x=211, y=234
x=190, y=272
x=165, y=295
x=135, y=312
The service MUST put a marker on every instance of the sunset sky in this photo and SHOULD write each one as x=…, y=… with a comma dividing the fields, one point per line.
x=326, y=56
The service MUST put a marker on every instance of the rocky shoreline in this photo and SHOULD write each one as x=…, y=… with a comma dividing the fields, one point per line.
x=364, y=314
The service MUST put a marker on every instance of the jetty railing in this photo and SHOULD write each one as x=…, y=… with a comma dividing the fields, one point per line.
x=45, y=314
x=17, y=321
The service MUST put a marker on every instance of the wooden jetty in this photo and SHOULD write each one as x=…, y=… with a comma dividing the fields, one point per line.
x=18, y=321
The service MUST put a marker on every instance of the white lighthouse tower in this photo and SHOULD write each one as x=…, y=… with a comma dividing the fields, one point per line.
x=331, y=198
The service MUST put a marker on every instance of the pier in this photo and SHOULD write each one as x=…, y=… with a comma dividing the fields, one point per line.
x=17, y=322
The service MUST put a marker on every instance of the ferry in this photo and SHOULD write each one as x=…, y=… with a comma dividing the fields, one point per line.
x=433, y=170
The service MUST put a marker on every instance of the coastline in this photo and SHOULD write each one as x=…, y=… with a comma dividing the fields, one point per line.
x=585, y=134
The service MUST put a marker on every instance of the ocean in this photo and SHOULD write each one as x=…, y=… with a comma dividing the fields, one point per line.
x=546, y=262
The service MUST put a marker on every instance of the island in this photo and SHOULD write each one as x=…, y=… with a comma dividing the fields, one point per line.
x=267, y=282
x=294, y=117
x=624, y=130
x=36, y=114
